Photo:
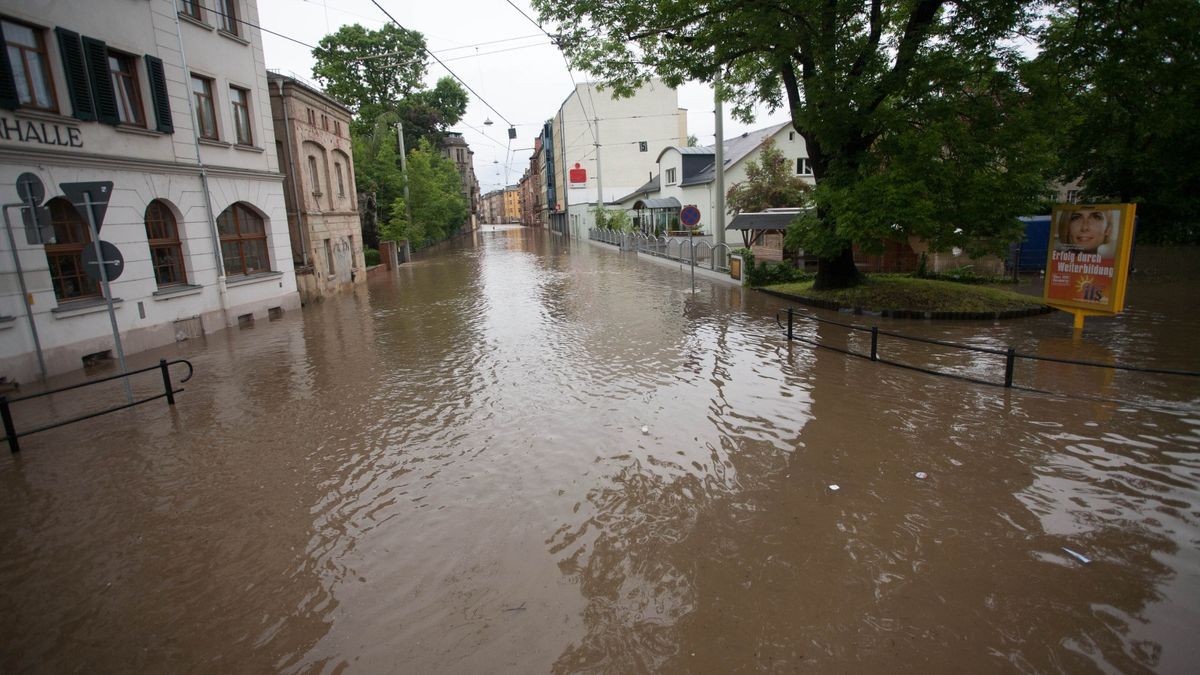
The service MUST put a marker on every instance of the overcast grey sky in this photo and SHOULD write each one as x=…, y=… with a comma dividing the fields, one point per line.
x=494, y=49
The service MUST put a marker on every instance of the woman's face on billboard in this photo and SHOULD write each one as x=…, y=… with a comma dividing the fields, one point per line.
x=1087, y=229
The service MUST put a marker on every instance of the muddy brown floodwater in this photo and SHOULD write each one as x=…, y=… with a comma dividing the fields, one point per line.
x=448, y=474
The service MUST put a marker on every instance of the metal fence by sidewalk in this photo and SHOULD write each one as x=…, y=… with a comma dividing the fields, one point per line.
x=685, y=250
x=12, y=436
x=1008, y=356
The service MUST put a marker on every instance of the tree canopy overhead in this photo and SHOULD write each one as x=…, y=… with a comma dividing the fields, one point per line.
x=377, y=72
x=914, y=113
x=363, y=67
x=380, y=75
x=1130, y=75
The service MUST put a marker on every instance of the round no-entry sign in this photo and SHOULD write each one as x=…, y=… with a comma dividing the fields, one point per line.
x=690, y=216
x=113, y=261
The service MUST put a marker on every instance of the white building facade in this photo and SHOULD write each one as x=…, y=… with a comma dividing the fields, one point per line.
x=687, y=177
x=168, y=101
x=611, y=145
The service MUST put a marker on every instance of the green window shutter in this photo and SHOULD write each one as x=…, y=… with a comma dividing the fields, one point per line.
x=76, y=73
x=158, y=94
x=8, y=87
x=96, y=53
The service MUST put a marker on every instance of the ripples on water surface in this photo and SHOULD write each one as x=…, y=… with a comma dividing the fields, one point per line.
x=448, y=474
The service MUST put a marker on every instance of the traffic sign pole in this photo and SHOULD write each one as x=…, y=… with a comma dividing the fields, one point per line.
x=12, y=243
x=94, y=230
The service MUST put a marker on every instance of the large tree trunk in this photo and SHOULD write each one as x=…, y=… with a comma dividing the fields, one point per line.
x=837, y=272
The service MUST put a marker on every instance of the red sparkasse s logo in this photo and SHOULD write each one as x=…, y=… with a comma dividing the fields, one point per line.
x=577, y=176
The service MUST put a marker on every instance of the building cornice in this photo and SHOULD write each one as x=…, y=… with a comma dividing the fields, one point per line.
x=9, y=155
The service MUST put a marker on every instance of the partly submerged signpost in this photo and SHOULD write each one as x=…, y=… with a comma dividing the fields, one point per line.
x=1087, y=264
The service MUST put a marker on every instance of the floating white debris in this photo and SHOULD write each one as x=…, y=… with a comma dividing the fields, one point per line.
x=835, y=487
x=1078, y=556
x=645, y=430
x=921, y=475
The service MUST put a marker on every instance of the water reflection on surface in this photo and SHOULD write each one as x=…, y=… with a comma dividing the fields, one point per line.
x=448, y=473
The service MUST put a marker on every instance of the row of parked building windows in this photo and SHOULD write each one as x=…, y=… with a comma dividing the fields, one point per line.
x=314, y=177
x=104, y=84
x=803, y=168
x=226, y=12
x=312, y=121
x=242, y=232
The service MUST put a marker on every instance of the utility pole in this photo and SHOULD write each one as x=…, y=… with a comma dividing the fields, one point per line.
x=404, y=170
x=599, y=180
x=561, y=174
x=719, y=215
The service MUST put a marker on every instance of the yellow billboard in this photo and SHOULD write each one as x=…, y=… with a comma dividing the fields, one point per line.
x=1087, y=264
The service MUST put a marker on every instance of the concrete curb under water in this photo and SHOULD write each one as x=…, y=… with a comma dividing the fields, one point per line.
x=911, y=313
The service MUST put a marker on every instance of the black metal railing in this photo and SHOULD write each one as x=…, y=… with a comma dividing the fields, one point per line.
x=1010, y=354
x=11, y=435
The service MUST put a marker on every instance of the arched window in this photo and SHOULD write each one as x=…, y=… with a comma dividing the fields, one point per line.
x=243, y=240
x=166, y=253
x=65, y=255
x=313, y=177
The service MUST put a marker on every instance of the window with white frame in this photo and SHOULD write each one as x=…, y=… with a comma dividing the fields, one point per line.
x=671, y=176
x=803, y=168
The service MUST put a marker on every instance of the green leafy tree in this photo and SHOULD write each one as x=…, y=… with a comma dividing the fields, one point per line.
x=770, y=183
x=427, y=114
x=610, y=219
x=377, y=167
x=370, y=70
x=1129, y=73
x=914, y=112
x=437, y=205
x=376, y=72
x=379, y=75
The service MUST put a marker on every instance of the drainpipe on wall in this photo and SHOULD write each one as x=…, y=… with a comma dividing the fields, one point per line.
x=222, y=290
x=287, y=137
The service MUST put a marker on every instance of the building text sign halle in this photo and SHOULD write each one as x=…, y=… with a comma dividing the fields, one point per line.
x=40, y=133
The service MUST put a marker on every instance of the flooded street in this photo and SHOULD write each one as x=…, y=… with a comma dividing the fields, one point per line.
x=448, y=473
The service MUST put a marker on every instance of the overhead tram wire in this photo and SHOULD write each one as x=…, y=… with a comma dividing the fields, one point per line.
x=611, y=145
x=443, y=65
x=481, y=133
x=489, y=42
x=265, y=30
x=497, y=51
x=455, y=49
x=574, y=84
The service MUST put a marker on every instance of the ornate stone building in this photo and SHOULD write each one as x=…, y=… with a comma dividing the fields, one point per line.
x=312, y=139
x=455, y=148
